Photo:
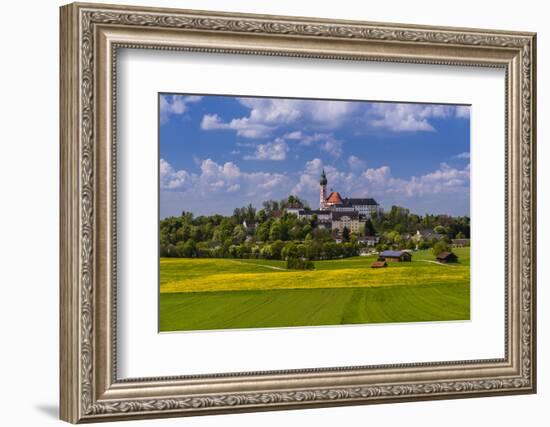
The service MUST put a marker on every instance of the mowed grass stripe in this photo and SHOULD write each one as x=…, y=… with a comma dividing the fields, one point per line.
x=203, y=294
x=306, y=307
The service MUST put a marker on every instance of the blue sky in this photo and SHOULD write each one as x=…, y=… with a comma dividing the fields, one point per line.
x=222, y=152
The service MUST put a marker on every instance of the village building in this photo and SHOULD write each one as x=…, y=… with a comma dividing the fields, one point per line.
x=460, y=243
x=428, y=234
x=368, y=240
x=324, y=218
x=395, y=256
x=250, y=226
x=447, y=257
x=349, y=220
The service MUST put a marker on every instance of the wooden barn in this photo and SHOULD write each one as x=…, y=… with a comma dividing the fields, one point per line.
x=395, y=256
x=379, y=264
x=447, y=257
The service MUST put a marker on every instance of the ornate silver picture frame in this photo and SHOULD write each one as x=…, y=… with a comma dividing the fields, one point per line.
x=91, y=390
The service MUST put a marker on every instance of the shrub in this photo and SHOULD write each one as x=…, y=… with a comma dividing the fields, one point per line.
x=299, y=264
x=441, y=246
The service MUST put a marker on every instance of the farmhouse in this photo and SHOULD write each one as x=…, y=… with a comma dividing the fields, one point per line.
x=395, y=256
x=447, y=257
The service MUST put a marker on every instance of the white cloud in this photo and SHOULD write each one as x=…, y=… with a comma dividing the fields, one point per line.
x=171, y=179
x=355, y=163
x=380, y=182
x=411, y=117
x=244, y=127
x=332, y=113
x=328, y=142
x=272, y=111
x=332, y=146
x=214, y=177
x=219, y=188
x=213, y=121
x=465, y=155
x=276, y=150
x=175, y=105
x=293, y=135
x=308, y=140
x=308, y=182
x=463, y=111
x=266, y=115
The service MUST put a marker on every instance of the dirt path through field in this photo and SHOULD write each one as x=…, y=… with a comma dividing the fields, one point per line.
x=434, y=262
x=260, y=265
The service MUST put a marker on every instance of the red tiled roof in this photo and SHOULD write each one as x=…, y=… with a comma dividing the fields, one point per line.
x=378, y=264
x=335, y=198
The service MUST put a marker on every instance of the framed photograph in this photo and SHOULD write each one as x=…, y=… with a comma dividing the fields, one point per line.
x=266, y=212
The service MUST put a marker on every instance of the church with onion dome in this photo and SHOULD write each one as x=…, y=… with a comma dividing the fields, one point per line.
x=365, y=207
x=337, y=212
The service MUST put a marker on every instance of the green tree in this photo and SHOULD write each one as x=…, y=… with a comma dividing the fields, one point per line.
x=295, y=232
x=275, y=232
x=189, y=248
x=439, y=229
x=345, y=234
x=239, y=234
x=262, y=232
x=290, y=250
x=441, y=246
x=369, y=228
x=276, y=249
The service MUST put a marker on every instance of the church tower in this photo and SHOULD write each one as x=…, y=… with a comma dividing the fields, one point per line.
x=323, y=195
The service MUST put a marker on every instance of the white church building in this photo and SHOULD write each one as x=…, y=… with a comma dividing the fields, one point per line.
x=337, y=212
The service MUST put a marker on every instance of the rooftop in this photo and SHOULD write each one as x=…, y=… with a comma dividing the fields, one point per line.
x=444, y=255
x=336, y=216
x=361, y=202
x=335, y=198
x=392, y=254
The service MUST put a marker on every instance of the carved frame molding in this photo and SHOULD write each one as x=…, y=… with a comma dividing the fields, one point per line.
x=90, y=37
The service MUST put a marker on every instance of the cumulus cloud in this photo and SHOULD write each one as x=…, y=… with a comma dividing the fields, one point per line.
x=332, y=146
x=217, y=188
x=295, y=135
x=175, y=105
x=268, y=114
x=220, y=180
x=308, y=181
x=171, y=179
x=355, y=163
x=380, y=182
x=243, y=126
x=327, y=142
x=465, y=155
x=276, y=150
x=411, y=117
x=463, y=111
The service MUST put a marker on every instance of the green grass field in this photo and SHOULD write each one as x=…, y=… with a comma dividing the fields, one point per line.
x=199, y=294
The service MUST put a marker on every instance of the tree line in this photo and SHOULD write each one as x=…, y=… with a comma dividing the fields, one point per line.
x=271, y=233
